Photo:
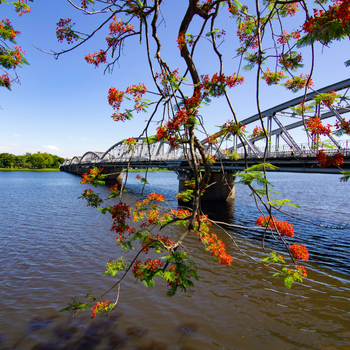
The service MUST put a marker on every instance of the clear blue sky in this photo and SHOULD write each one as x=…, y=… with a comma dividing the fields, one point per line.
x=61, y=105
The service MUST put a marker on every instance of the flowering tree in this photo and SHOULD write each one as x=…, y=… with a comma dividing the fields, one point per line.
x=270, y=49
x=11, y=57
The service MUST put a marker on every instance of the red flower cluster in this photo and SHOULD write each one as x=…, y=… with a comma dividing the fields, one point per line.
x=170, y=132
x=176, y=281
x=152, y=197
x=186, y=115
x=285, y=37
x=116, y=97
x=14, y=57
x=291, y=60
x=181, y=213
x=134, y=7
x=147, y=242
x=168, y=80
x=93, y=175
x=211, y=139
x=325, y=161
x=5, y=81
x=328, y=99
x=217, y=84
x=316, y=128
x=21, y=7
x=64, y=31
x=301, y=270
x=302, y=107
x=298, y=82
x=284, y=227
x=246, y=35
x=140, y=269
x=234, y=10
x=299, y=251
x=92, y=198
x=181, y=41
x=323, y=23
x=258, y=132
x=84, y=4
x=153, y=217
x=120, y=213
x=272, y=78
x=289, y=9
x=96, y=58
x=137, y=92
x=216, y=247
x=343, y=126
x=231, y=128
x=114, y=188
x=119, y=27
x=7, y=31
x=100, y=308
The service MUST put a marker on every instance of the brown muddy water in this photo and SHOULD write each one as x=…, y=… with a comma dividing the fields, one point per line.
x=53, y=247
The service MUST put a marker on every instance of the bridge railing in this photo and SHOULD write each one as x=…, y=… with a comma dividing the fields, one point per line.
x=283, y=151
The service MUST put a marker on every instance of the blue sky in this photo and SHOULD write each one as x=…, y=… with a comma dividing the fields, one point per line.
x=61, y=105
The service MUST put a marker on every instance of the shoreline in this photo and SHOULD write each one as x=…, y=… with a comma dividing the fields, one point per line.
x=27, y=169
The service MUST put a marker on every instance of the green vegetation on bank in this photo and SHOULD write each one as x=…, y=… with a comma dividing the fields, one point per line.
x=27, y=169
x=30, y=161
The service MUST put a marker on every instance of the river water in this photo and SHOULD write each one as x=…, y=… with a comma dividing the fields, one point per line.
x=53, y=247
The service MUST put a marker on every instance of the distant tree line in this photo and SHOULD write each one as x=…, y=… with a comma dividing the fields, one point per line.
x=32, y=161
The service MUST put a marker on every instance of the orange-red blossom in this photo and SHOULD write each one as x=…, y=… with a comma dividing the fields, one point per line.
x=99, y=307
x=284, y=227
x=299, y=251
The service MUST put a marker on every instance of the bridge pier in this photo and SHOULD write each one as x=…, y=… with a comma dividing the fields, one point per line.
x=220, y=186
x=114, y=176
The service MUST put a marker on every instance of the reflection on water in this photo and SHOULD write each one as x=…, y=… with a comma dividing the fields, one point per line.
x=54, y=247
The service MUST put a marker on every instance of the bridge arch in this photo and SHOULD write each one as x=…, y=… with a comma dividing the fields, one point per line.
x=66, y=162
x=75, y=160
x=91, y=157
x=142, y=151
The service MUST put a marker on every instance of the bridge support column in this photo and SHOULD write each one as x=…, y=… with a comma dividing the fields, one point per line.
x=220, y=188
x=114, y=176
x=73, y=169
x=82, y=170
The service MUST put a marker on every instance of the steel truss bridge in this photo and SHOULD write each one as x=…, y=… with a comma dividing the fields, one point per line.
x=285, y=152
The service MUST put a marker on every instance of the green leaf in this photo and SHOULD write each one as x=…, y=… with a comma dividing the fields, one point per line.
x=149, y=283
x=262, y=192
x=274, y=258
x=282, y=202
x=346, y=176
x=248, y=67
x=151, y=139
x=99, y=182
x=288, y=281
x=252, y=176
x=169, y=276
x=260, y=166
x=193, y=273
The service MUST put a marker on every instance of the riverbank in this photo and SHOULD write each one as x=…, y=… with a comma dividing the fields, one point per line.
x=27, y=169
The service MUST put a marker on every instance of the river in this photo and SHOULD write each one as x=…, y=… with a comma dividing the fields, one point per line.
x=53, y=247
